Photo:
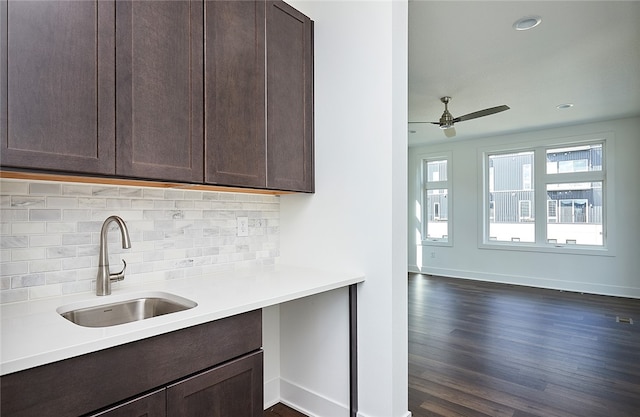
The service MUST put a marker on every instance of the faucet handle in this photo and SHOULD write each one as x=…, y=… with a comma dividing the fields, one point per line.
x=118, y=276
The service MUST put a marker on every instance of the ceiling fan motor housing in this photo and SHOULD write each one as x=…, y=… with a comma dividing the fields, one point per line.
x=446, y=120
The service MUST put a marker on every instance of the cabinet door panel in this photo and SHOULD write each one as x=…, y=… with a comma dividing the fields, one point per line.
x=289, y=99
x=150, y=405
x=159, y=82
x=234, y=91
x=58, y=98
x=233, y=389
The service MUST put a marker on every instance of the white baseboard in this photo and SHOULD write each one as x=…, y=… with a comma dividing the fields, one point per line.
x=310, y=403
x=271, y=393
x=553, y=284
x=407, y=414
x=313, y=404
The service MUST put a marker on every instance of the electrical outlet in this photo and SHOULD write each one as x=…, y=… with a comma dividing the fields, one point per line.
x=243, y=226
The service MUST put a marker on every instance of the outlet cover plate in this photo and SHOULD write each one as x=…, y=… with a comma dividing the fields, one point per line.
x=243, y=226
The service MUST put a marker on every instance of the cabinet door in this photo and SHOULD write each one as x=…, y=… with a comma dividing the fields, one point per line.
x=56, y=90
x=289, y=99
x=159, y=77
x=234, y=93
x=150, y=405
x=233, y=389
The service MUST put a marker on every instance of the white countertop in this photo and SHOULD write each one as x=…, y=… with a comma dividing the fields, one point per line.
x=34, y=334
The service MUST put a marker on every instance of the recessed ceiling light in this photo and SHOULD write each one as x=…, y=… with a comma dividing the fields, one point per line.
x=564, y=106
x=526, y=23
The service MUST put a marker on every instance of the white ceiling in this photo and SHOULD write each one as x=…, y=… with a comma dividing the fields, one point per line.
x=584, y=52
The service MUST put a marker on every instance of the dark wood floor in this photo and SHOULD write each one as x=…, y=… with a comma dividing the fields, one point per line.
x=281, y=410
x=482, y=349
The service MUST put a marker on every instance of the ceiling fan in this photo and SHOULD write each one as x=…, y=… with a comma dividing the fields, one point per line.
x=447, y=120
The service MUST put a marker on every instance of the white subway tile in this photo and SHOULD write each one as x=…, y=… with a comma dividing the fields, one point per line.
x=18, y=241
x=105, y=191
x=29, y=280
x=5, y=228
x=76, y=190
x=174, y=233
x=142, y=204
x=76, y=215
x=45, y=188
x=54, y=252
x=62, y=202
x=153, y=193
x=130, y=192
x=12, y=296
x=44, y=291
x=27, y=254
x=27, y=228
x=76, y=239
x=60, y=227
x=27, y=202
x=76, y=263
x=60, y=276
x=118, y=203
x=45, y=215
x=44, y=265
x=14, y=215
x=45, y=240
x=92, y=203
x=174, y=194
x=13, y=187
x=14, y=268
x=76, y=287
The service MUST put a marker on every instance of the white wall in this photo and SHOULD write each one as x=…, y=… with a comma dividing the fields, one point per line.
x=356, y=220
x=614, y=274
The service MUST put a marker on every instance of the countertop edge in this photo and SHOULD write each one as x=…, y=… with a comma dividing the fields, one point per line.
x=264, y=288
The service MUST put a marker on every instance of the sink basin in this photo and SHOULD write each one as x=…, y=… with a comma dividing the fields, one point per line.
x=125, y=311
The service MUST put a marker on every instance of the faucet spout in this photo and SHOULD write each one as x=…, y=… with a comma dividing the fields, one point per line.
x=104, y=277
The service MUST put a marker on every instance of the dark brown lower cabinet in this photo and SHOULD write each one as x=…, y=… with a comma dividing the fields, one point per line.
x=150, y=405
x=233, y=389
x=213, y=369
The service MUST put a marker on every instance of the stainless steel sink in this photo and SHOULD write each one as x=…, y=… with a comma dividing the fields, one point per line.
x=126, y=311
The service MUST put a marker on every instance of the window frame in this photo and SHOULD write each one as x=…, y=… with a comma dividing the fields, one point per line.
x=436, y=185
x=540, y=181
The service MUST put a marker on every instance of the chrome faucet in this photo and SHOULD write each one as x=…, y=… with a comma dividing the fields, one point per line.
x=104, y=278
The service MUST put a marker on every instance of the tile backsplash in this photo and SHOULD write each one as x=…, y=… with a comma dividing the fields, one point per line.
x=50, y=234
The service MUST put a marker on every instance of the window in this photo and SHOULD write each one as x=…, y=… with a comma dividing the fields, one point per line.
x=511, y=197
x=436, y=196
x=565, y=182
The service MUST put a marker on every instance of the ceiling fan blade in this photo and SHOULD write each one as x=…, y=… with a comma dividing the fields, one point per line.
x=432, y=123
x=481, y=113
x=451, y=132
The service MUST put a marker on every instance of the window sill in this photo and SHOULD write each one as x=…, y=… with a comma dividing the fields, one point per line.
x=558, y=249
x=436, y=242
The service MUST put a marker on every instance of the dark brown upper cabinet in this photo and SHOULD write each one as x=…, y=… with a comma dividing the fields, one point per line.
x=235, y=93
x=159, y=83
x=194, y=91
x=290, y=154
x=244, y=146
x=57, y=101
